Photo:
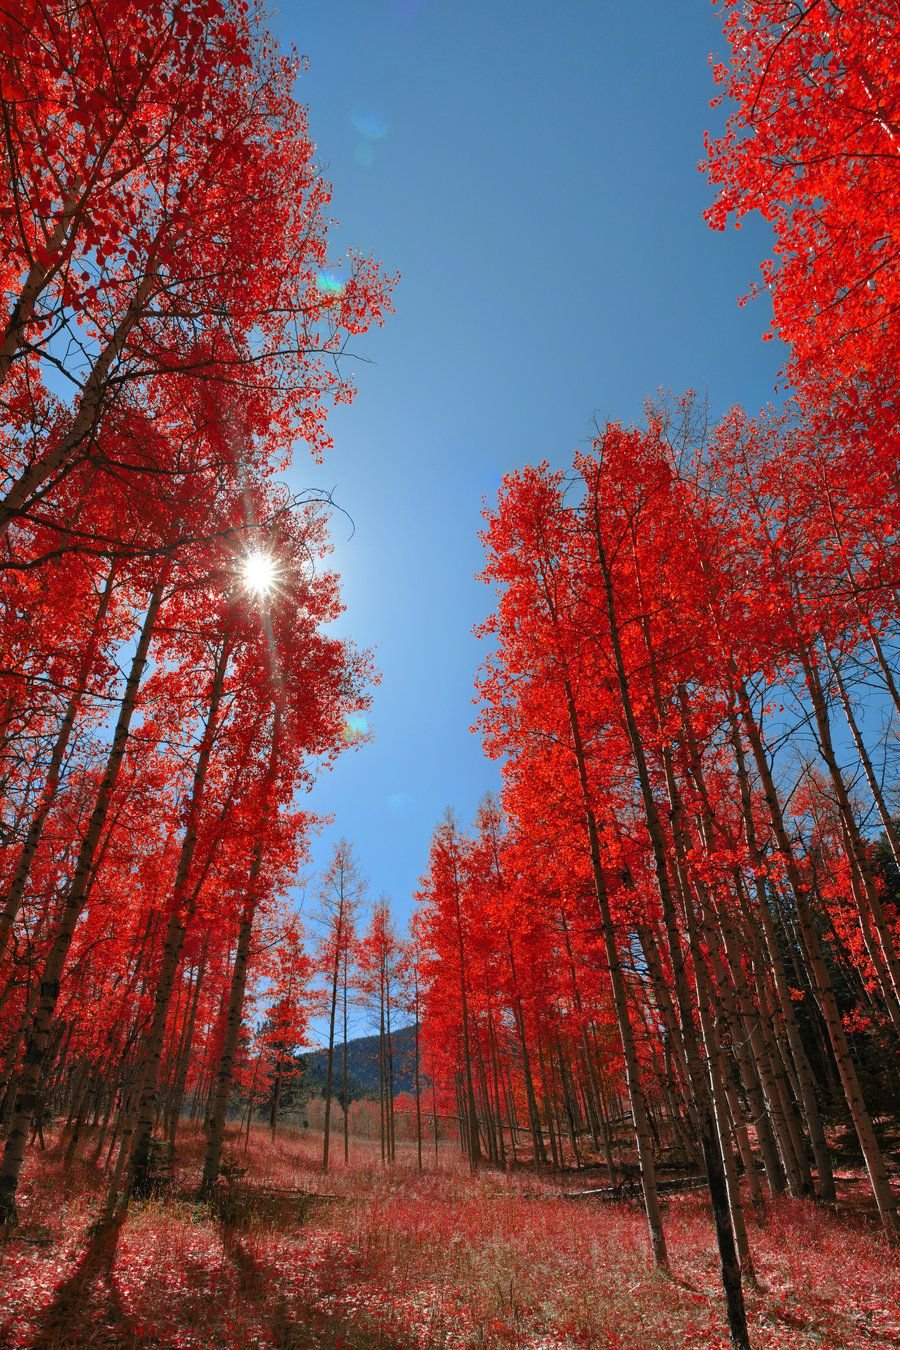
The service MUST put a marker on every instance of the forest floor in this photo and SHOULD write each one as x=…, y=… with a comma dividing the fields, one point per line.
x=396, y=1258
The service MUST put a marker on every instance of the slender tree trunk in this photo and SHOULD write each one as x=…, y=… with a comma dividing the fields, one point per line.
x=883, y=664
x=865, y=888
x=714, y=1059
x=434, y=1114
x=489, y=1123
x=495, y=1078
x=179, y=917
x=511, y=1112
x=805, y=1081
x=737, y=1010
x=250, y=1101
x=23, y=1111
x=219, y=1111
x=88, y=414
x=749, y=1036
x=382, y=1070
x=57, y=757
x=462, y=1118
x=620, y=1000
x=890, y=829
x=537, y=1129
x=568, y=1103
x=184, y=1058
x=547, y=1093
x=389, y=1074
x=332, y=1015
x=859, y=1113
x=650, y=946
x=40, y=274
x=12, y=1054
x=474, y=1144
x=700, y=1090
x=79, y=1119
x=602, y=1117
x=346, y=1077
x=276, y=1093
x=417, y=1073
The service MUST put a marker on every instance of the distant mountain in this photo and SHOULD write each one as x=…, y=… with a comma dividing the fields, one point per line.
x=362, y=1065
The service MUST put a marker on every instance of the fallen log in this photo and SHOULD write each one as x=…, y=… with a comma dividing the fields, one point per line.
x=631, y=1189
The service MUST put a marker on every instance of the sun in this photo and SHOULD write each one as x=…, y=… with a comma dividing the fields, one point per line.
x=259, y=573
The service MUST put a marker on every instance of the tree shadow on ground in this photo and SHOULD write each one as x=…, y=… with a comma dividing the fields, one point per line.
x=86, y=1309
x=298, y=1325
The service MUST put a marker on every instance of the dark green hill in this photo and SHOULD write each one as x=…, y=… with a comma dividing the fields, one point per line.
x=362, y=1065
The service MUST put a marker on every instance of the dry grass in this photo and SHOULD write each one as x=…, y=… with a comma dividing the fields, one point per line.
x=394, y=1258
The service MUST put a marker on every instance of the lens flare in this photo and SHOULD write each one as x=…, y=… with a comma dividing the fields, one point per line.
x=356, y=727
x=329, y=284
x=259, y=573
x=369, y=123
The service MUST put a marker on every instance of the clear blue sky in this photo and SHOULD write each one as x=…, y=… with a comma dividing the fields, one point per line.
x=530, y=170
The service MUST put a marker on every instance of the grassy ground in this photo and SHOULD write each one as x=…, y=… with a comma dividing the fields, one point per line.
x=375, y=1258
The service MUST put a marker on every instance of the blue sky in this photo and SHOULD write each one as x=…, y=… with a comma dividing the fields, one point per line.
x=530, y=170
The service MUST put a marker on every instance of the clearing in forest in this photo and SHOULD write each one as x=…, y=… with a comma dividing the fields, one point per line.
x=369, y=1257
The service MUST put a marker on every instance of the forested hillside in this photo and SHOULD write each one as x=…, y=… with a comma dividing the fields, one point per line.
x=363, y=1054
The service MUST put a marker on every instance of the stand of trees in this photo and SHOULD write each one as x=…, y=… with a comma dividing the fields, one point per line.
x=167, y=681
x=683, y=912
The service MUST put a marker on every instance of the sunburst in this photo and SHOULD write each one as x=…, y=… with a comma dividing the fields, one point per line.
x=259, y=573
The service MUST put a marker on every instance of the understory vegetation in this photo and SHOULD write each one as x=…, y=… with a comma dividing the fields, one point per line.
x=372, y=1258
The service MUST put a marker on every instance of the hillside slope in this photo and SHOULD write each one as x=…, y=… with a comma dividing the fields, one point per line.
x=362, y=1065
